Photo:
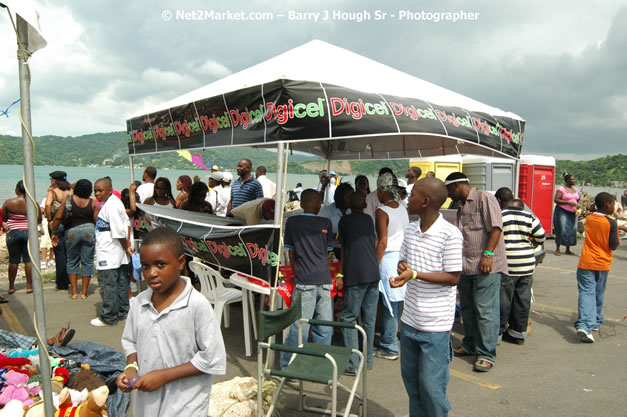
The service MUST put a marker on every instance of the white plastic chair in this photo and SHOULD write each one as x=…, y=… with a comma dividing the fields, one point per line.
x=212, y=287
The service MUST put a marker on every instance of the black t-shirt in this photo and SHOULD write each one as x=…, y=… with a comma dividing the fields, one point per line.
x=360, y=256
x=310, y=238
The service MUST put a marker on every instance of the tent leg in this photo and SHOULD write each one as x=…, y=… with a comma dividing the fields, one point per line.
x=131, y=164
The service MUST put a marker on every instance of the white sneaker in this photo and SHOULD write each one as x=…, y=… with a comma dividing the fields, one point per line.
x=43, y=266
x=585, y=336
x=50, y=263
x=98, y=323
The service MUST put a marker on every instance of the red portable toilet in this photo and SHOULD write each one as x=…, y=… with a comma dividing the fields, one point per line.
x=536, y=182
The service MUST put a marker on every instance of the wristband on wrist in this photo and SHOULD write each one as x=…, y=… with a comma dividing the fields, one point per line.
x=132, y=365
x=414, y=275
x=488, y=254
x=339, y=276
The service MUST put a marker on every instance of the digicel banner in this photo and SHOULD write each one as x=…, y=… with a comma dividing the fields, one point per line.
x=287, y=110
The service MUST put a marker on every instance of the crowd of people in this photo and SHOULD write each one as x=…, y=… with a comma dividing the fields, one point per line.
x=415, y=271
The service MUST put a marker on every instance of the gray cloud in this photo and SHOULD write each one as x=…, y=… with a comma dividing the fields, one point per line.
x=558, y=65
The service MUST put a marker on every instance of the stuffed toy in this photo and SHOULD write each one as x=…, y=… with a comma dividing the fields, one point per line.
x=60, y=378
x=14, y=408
x=85, y=378
x=93, y=407
x=22, y=353
x=16, y=389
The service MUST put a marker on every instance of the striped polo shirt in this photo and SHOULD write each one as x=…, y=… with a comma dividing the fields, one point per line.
x=431, y=307
x=243, y=192
x=518, y=227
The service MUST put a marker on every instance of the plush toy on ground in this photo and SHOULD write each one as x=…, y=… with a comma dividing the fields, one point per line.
x=17, y=389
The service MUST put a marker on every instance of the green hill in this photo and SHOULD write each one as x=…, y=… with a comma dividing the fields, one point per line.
x=601, y=172
x=110, y=149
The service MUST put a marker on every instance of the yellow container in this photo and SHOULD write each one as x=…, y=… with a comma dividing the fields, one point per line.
x=425, y=166
x=442, y=166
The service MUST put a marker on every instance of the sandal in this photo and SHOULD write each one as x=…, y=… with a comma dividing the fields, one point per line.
x=482, y=366
x=64, y=336
x=11, y=291
x=73, y=296
x=29, y=291
x=460, y=351
x=84, y=296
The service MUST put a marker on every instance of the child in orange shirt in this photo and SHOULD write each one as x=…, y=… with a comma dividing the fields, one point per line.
x=594, y=265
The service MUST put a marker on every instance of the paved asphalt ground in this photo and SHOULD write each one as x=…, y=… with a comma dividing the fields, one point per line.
x=552, y=374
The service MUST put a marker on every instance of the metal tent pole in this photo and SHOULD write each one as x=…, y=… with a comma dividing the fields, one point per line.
x=33, y=212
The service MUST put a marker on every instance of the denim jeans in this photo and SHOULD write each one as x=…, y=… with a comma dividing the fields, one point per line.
x=389, y=326
x=360, y=298
x=479, y=299
x=113, y=284
x=515, y=304
x=315, y=304
x=591, y=285
x=80, y=242
x=424, y=368
x=17, y=245
x=60, y=258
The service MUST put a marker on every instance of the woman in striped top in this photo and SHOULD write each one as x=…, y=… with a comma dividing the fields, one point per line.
x=14, y=214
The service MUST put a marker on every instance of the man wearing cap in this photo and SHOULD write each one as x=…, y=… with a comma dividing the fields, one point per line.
x=245, y=188
x=326, y=188
x=484, y=260
x=215, y=186
x=269, y=187
x=215, y=168
x=147, y=188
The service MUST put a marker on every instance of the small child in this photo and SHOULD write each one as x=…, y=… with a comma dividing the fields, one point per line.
x=171, y=339
x=431, y=261
x=308, y=238
x=595, y=263
x=359, y=264
x=519, y=227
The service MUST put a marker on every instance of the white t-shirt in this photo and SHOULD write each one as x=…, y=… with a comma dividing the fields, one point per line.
x=372, y=203
x=329, y=194
x=145, y=190
x=112, y=224
x=269, y=187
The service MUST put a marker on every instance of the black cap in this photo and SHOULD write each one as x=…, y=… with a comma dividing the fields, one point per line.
x=59, y=175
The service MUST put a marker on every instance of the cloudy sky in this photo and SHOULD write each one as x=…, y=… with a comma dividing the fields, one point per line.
x=561, y=65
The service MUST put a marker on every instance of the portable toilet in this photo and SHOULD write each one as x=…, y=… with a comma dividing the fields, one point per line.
x=488, y=173
x=442, y=166
x=536, y=187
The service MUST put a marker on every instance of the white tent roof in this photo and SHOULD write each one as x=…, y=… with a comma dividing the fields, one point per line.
x=320, y=61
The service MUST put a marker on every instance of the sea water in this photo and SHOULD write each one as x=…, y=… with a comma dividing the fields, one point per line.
x=121, y=178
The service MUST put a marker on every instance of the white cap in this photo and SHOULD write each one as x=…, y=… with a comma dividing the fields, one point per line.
x=227, y=177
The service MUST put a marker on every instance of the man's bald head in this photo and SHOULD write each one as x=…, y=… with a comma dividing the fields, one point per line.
x=434, y=189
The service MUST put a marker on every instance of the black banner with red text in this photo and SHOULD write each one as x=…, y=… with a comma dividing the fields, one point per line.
x=286, y=110
x=252, y=250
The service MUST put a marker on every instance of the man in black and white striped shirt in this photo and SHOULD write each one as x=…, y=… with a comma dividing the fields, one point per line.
x=519, y=229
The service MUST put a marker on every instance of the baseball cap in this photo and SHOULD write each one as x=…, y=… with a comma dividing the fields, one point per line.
x=59, y=175
x=216, y=176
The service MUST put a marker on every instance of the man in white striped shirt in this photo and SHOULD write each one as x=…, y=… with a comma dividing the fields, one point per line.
x=518, y=228
x=431, y=264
